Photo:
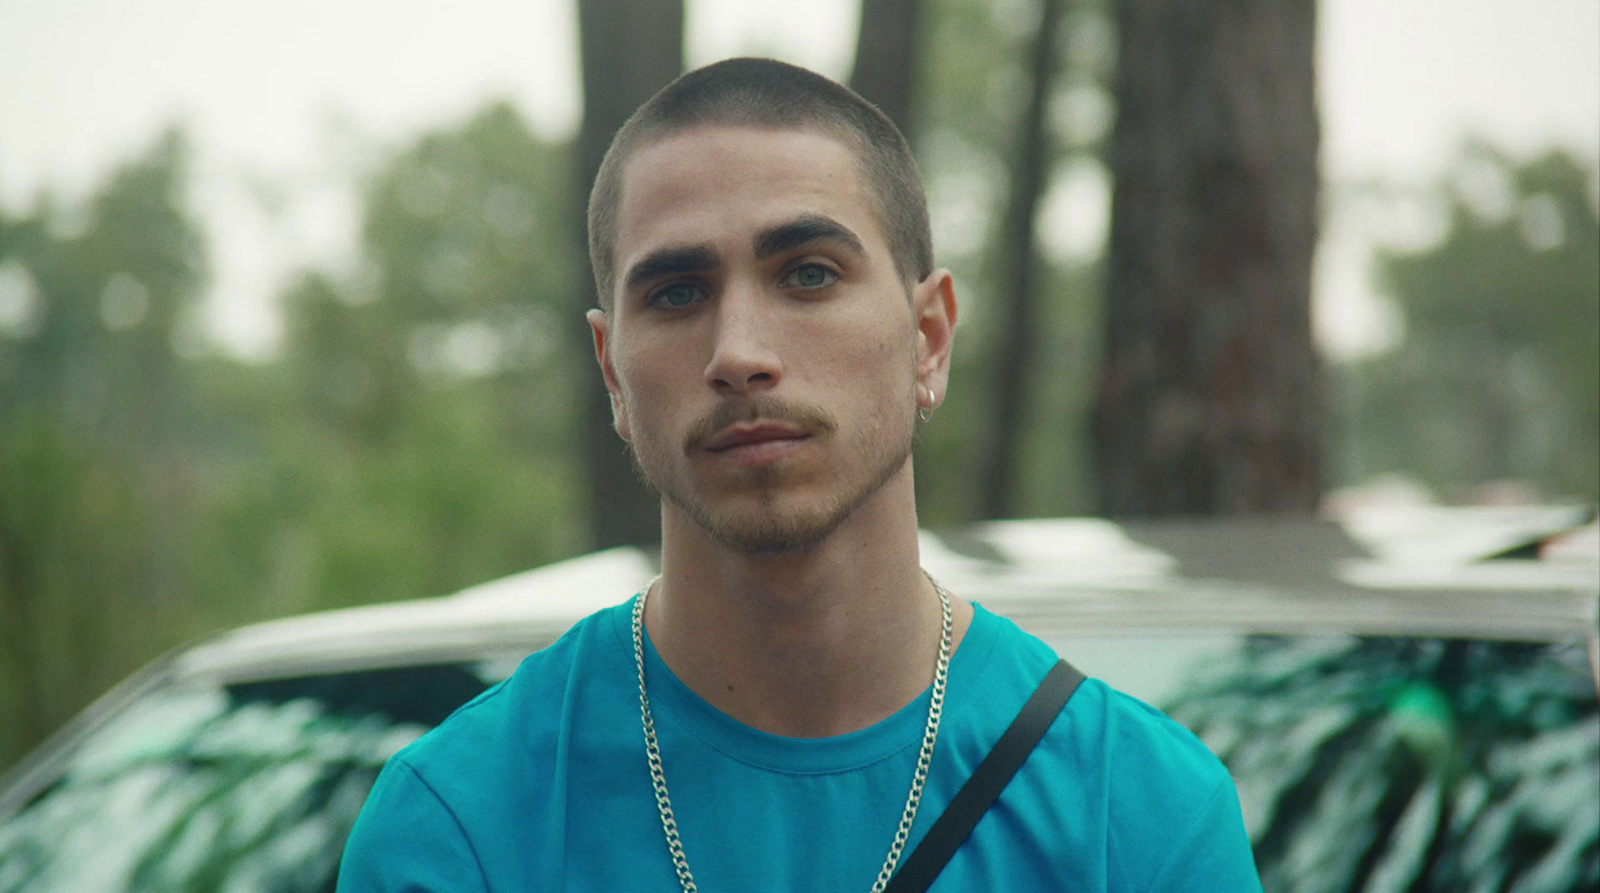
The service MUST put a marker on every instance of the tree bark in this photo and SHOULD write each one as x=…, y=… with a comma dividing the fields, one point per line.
x=629, y=49
x=887, y=56
x=1210, y=399
x=997, y=458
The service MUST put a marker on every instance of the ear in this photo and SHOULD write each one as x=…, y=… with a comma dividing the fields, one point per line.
x=600, y=325
x=933, y=304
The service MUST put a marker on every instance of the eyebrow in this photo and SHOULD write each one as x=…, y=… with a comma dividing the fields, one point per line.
x=773, y=240
x=803, y=231
x=670, y=262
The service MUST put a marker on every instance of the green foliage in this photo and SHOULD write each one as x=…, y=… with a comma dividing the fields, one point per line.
x=441, y=380
x=1499, y=375
x=94, y=489
x=414, y=437
x=463, y=284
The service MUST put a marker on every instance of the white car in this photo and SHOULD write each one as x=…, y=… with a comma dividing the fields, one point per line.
x=1407, y=700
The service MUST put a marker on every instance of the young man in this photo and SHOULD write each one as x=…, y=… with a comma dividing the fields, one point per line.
x=760, y=718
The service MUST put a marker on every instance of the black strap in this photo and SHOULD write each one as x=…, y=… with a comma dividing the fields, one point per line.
x=988, y=780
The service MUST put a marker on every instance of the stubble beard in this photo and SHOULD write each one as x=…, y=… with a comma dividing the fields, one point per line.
x=765, y=530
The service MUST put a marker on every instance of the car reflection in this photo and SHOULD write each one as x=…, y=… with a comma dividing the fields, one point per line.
x=1407, y=763
x=247, y=787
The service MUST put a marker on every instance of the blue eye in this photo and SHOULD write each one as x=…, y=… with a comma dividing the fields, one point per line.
x=810, y=276
x=676, y=295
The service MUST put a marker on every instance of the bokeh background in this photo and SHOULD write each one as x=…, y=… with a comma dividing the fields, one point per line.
x=290, y=293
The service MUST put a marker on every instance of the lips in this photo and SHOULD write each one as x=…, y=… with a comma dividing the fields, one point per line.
x=756, y=443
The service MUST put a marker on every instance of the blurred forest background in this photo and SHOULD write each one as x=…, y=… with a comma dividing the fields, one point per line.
x=430, y=419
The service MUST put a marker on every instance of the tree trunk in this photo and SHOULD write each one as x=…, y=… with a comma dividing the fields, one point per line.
x=1013, y=357
x=629, y=49
x=886, y=57
x=1210, y=399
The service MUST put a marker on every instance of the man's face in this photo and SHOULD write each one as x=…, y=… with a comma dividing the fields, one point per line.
x=764, y=358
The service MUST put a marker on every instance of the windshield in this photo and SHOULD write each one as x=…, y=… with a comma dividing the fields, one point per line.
x=1375, y=763
x=236, y=788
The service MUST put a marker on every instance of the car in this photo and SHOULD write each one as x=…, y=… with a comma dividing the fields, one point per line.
x=1406, y=699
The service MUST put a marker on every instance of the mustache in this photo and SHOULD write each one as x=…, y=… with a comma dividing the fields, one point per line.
x=812, y=419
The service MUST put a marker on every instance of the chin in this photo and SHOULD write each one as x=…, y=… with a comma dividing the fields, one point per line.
x=767, y=532
x=771, y=514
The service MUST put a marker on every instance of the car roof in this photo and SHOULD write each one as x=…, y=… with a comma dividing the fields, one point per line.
x=1442, y=572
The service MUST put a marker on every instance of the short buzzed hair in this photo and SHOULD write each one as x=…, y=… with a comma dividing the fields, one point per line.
x=767, y=94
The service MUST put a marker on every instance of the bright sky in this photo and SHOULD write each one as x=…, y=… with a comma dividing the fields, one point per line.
x=267, y=89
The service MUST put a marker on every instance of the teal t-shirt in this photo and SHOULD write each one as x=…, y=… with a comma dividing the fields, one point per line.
x=541, y=784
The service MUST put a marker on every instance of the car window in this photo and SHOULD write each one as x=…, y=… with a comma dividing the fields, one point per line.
x=225, y=788
x=1389, y=763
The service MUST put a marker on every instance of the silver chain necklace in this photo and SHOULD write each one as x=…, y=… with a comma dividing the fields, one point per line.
x=658, y=777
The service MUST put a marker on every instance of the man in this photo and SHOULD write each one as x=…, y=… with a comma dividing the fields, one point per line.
x=760, y=718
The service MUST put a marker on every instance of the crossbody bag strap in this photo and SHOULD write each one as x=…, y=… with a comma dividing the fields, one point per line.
x=952, y=827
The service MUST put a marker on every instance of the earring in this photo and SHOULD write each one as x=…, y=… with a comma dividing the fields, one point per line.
x=924, y=411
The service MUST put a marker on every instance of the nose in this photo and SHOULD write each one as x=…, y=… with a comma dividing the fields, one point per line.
x=744, y=357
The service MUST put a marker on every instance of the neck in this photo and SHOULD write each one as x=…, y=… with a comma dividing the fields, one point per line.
x=823, y=642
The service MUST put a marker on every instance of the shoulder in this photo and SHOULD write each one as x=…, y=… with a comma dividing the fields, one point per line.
x=479, y=794
x=1171, y=811
x=1148, y=747
x=406, y=837
x=1172, y=814
x=1120, y=777
x=515, y=714
x=505, y=742
x=1134, y=738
